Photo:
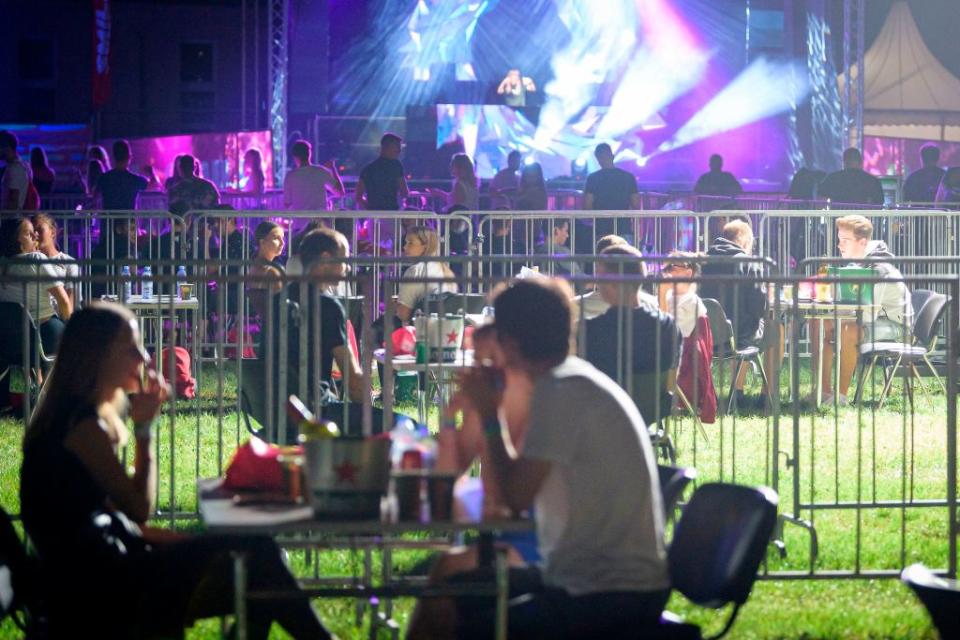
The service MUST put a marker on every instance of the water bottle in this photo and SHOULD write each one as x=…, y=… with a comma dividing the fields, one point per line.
x=127, y=284
x=146, y=289
x=181, y=281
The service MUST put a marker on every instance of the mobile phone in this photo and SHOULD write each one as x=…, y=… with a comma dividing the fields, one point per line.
x=298, y=411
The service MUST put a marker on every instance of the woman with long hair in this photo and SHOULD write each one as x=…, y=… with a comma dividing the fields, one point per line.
x=43, y=175
x=464, y=195
x=18, y=241
x=421, y=242
x=66, y=265
x=98, y=163
x=254, y=180
x=84, y=513
x=269, y=243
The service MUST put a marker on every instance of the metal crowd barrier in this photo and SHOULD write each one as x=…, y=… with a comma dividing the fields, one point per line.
x=848, y=476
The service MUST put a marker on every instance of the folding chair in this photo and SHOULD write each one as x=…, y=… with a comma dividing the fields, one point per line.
x=673, y=482
x=716, y=551
x=940, y=596
x=725, y=348
x=895, y=354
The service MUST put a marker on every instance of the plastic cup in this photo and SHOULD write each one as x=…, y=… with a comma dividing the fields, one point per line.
x=440, y=492
x=408, y=488
x=186, y=291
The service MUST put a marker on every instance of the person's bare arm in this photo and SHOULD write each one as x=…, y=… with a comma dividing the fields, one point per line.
x=503, y=86
x=360, y=194
x=350, y=368
x=519, y=477
x=588, y=201
x=337, y=186
x=404, y=190
x=64, y=301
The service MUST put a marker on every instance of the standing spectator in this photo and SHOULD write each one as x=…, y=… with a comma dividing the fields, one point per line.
x=16, y=177
x=254, y=181
x=98, y=163
x=191, y=192
x=717, y=182
x=153, y=180
x=532, y=193
x=922, y=184
x=464, y=195
x=175, y=175
x=607, y=189
x=120, y=187
x=949, y=191
x=382, y=181
x=306, y=185
x=66, y=267
x=852, y=185
x=43, y=175
x=504, y=184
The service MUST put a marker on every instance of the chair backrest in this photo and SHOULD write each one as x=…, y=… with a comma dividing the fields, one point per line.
x=450, y=302
x=918, y=298
x=925, y=324
x=720, y=326
x=673, y=481
x=940, y=596
x=719, y=542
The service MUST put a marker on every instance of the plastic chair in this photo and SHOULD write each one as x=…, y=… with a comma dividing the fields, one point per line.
x=673, y=482
x=908, y=355
x=718, y=545
x=450, y=302
x=725, y=348
x=12, y=316
x=940, y=596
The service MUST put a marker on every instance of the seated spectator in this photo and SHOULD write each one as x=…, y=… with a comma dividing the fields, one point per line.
x=18, y=241
x=892, y=323
x=655, y=342
x=586, y=459
x=680, y=299
x=743, y=296
x=922, y=184
x=269, y=243
x=43, y=175
x=949, y=191
x=191, y=192
x=119, y=187
x=592, y=304
x=852, y=185
x=66, y=268
x=556, y=246
x=126, y=580
x=421, y=242
x=226, y=244
x=717, y=182
x=499, y=243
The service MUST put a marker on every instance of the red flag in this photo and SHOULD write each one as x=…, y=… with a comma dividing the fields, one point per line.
x=101, y=52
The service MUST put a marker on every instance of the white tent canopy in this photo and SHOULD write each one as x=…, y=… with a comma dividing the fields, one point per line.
x=908, y=93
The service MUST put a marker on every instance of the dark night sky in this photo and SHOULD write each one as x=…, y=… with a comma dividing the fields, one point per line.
x=938, y=21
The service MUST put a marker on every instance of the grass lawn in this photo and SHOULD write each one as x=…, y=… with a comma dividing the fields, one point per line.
x=888, y=455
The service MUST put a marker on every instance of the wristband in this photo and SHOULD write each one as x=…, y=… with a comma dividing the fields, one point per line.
x=491, y=427
x=142, y=430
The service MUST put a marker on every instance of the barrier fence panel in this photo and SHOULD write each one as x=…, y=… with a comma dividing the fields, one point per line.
x=872, y=486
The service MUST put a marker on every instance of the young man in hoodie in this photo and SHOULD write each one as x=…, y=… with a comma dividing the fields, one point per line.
x=742, y=295
x=891, y=323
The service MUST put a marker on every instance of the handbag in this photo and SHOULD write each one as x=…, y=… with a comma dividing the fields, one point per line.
x=114, y=538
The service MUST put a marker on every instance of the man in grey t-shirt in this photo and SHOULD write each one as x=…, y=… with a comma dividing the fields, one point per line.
x=588, y=471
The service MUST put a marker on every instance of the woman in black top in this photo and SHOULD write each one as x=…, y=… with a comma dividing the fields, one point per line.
x=79, y=506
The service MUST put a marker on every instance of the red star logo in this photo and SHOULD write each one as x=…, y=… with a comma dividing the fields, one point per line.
x=346, y=472
x=452, y=337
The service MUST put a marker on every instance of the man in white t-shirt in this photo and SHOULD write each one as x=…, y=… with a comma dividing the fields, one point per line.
x=16, y=176
x=588, y=471
x=305, y=187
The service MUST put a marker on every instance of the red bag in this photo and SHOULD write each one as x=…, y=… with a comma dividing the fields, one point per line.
x=233, y=340
x=180, y=376
x=255, y=468
x=404, y=341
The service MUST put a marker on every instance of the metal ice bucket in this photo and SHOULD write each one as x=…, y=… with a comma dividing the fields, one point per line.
x=347, y=477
